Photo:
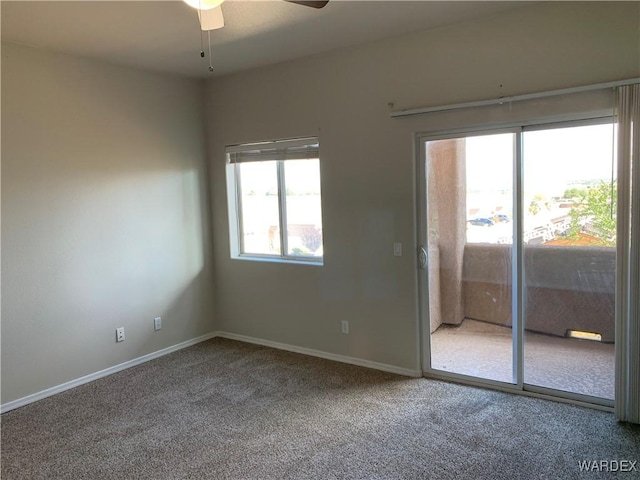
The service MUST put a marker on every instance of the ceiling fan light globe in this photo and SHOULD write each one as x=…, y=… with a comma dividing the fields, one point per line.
x=203, y=4
x=211, y=19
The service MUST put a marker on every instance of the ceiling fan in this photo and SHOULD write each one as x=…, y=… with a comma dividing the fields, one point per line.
x=210, y=11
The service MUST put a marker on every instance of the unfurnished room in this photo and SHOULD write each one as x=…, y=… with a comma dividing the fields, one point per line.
x=333, y=239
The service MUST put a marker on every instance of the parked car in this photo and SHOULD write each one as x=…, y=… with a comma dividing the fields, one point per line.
x=481, y=222
x=501, y=217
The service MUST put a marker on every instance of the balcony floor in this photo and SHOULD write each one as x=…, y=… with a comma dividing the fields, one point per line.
x=484, y=350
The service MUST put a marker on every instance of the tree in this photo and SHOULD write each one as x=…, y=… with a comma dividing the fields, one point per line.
x=534, y=208
x=537, y=204
x=594, y=212
x=311, y=238
x=574, y=192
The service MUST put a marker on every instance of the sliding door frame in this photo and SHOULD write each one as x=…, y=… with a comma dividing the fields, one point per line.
x=582, y=398
x=517, y=259
x=423, y=281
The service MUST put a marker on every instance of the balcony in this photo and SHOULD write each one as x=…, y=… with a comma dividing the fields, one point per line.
x=567, y=290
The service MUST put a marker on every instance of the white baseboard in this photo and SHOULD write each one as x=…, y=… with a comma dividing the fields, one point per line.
x=20, y=402
x=407, y=372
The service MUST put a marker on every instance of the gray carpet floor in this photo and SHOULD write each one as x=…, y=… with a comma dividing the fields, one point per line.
x=228, y=410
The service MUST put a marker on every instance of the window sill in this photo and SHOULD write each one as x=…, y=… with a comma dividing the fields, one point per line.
x=316, y=262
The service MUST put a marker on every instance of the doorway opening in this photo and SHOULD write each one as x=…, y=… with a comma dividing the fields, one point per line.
x=519, y=234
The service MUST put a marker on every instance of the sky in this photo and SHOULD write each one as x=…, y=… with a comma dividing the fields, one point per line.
x=301, y=176
x=552, y=159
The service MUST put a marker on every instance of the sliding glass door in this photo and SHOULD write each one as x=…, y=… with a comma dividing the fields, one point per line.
x=518, y=258
x=569, y=226
x=469, y=222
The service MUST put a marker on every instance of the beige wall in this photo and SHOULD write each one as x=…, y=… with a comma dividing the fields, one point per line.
x=367, y=160
x=105, y=218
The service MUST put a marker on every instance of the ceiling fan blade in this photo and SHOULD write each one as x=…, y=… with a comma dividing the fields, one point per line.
x=318, y=4
x=211, y=19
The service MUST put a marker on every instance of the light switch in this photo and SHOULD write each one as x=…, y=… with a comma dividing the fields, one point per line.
x=397, y=249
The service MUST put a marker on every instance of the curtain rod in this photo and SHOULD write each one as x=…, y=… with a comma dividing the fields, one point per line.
x=515, y=98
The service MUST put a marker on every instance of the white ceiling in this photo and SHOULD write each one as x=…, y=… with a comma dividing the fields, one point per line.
x=165, y=35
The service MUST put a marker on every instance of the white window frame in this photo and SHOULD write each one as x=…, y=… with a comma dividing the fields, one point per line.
x=279, y=151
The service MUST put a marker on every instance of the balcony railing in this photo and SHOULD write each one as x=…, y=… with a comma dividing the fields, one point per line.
x=566, y=287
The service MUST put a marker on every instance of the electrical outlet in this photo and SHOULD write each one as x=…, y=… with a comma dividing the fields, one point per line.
x=345, y=326
x=157, y=323
x=397, y=249
x=120, y=334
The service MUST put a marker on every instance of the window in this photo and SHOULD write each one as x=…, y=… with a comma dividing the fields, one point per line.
x=274, y=201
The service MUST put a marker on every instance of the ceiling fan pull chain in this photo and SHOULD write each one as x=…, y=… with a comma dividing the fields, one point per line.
x=209, y=38
x=201, y=40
